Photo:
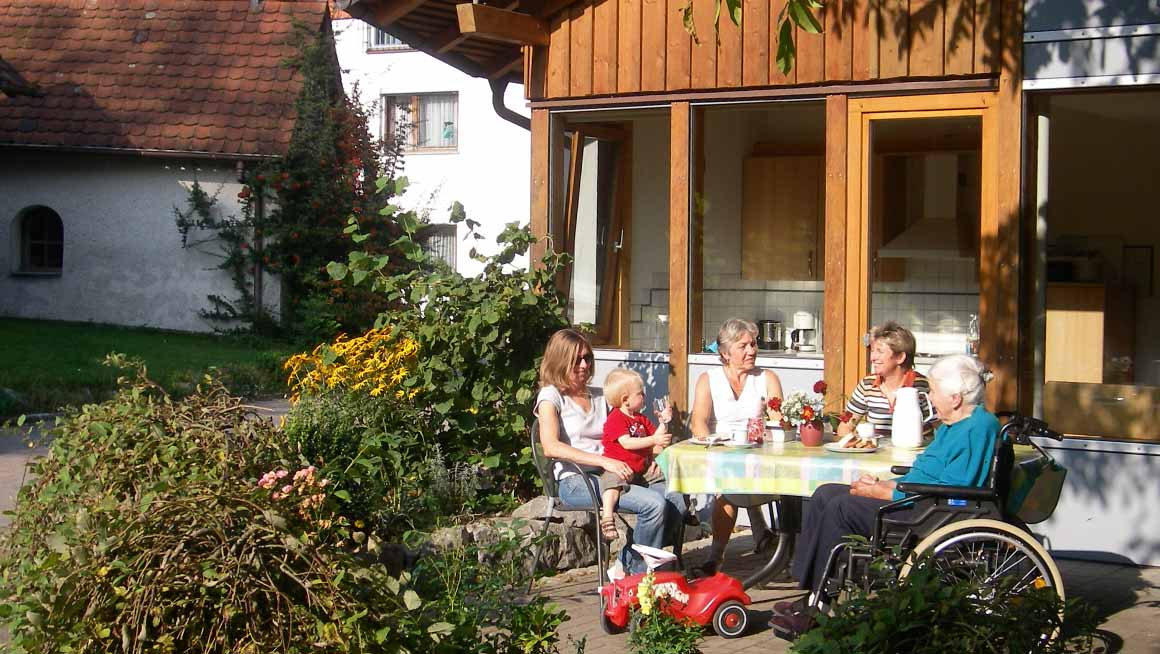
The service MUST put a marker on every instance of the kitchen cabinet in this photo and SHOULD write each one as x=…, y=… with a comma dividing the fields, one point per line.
x=782, y=218
x=1089, y=335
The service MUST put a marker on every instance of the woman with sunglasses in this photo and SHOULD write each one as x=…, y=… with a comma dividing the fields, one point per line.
x=572, y=416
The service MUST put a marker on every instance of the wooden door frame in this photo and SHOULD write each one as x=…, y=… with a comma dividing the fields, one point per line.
x=860, y=113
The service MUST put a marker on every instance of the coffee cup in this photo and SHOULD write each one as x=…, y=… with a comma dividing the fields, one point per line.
x=864, y=430
x=741, y=437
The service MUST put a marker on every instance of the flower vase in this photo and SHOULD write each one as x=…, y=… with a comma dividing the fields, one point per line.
x=811, y=433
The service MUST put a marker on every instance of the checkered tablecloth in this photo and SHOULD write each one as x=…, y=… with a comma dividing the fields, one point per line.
x=777, y=468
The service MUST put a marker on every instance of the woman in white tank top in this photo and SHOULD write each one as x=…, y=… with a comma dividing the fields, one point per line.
x=724, y=400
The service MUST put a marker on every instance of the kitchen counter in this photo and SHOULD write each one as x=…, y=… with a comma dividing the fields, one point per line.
x=769, y=359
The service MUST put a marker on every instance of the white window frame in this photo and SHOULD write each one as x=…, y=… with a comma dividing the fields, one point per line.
x=372, y=46
x=448, y=234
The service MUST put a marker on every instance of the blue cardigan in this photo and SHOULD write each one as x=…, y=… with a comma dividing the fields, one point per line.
x=960, y=454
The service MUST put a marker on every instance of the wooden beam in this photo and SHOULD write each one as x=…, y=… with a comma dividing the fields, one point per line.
x=384, y=13
x=447, y=39
x=503, y=63
x=836, y=216
x=539, y=185
x=501, y=25
x=679, y=115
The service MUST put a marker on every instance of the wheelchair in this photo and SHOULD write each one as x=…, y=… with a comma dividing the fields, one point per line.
x=970, y=534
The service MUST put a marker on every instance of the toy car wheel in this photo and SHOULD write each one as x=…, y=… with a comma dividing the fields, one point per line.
x=605, y=622
x=730, y=619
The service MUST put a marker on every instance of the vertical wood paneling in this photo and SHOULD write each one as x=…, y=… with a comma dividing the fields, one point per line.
x=834, y=322
x=680, y=45
x=729, y=52
x=652, y=45
x=581, y=49
x=987, y=46
x=560, y=58
x=839, y=39
x=536, y=72
x=959, y=37
x=604, y=46
x=926, y=38
x=539, y=184
x=776, y=7
x=811, y=53
x=697, y=233
x=893, y=39
x=628, y=47
x=755, y=43
x=679, y=253
x=704, y=68
x=874, y=39
x=862, y=20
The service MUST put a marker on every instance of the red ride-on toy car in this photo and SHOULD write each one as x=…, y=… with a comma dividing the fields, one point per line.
x=718, y=600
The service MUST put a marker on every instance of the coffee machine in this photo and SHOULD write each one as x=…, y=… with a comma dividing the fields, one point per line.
x=769, y=335
x=804, y=335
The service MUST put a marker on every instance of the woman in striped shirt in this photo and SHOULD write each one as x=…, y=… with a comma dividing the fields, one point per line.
x=892, y=367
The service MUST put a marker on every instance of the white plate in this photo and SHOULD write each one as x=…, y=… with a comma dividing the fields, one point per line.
x=711, y=440
x=834, y=447
x=740, y=446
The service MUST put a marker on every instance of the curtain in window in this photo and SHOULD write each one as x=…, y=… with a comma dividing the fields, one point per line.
x=436, y=126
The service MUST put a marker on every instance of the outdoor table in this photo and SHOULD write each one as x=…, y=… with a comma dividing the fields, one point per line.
x=790, y=471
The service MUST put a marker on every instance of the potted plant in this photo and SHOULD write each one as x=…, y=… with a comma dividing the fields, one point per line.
x=806, y=413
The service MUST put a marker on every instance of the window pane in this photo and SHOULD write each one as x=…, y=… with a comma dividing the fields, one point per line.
x=380, y=39
x=761, y=219
x=1099, y=352
x=925, y=195
x=436, y=124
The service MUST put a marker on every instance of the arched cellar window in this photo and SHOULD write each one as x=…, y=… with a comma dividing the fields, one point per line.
x=41, y=240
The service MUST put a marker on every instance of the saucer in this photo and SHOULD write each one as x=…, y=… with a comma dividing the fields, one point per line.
x=740, y=446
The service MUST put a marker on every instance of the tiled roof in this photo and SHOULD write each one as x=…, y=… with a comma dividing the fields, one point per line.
x=204, y=76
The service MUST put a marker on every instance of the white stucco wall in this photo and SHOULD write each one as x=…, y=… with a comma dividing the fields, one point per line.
x=489, y=173
x=123, y=260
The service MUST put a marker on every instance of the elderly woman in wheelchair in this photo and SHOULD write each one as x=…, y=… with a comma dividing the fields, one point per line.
x=949, y=505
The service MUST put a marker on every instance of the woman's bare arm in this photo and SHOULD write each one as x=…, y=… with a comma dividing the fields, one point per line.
x=554, y=448
x=702, y=405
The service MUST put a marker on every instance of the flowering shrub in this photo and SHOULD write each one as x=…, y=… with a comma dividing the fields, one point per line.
x=373, y=363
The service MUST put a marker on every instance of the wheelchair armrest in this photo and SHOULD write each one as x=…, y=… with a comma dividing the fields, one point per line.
x=958, y=492
x=899, y=470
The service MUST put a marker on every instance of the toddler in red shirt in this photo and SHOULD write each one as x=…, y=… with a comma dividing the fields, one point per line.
x=629, y=437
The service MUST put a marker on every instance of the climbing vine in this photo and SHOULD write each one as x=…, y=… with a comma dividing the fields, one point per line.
x=293, y=212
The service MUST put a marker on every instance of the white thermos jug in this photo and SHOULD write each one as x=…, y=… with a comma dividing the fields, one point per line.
x=908, y=420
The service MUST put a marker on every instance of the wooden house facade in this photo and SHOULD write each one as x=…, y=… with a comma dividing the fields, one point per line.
x=898, y=171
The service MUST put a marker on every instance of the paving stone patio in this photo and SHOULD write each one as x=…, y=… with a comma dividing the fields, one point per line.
x=1127, y=597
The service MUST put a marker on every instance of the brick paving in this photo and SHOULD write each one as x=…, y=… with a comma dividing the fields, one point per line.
x=1126, y=597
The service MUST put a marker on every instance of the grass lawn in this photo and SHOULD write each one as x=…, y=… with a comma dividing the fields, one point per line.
x=49, y=364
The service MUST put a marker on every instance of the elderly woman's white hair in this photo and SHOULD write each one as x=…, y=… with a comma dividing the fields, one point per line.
x=731, y=331
x=959, y=374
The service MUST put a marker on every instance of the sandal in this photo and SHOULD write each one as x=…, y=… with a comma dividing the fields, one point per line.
x=608, y=529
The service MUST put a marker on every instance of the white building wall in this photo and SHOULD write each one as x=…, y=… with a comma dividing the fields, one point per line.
x=489, y=171
x=123, y=260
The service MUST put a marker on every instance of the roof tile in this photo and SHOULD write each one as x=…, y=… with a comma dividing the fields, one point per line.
x=184, y=75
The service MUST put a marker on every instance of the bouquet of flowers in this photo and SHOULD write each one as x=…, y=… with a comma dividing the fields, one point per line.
x=802, y=408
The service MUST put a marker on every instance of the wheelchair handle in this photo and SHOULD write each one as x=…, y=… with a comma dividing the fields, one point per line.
x=1020, y=429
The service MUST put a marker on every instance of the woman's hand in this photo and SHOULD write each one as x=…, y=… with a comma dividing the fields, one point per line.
x=868, y=486
x=618, y=468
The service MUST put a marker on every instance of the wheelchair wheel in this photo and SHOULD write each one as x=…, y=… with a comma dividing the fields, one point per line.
x=985, y=552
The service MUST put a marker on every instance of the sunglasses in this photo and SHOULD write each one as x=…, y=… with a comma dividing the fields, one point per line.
x=589, y=357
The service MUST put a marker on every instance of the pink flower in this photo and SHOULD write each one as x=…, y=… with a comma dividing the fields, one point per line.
x=278, y=496
x=282, y=473
x=287, y=489
x=267, y=481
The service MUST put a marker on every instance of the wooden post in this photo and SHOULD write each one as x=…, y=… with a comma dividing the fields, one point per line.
x=539, y=200
x=999, y=249
x=836, y=215
x=679, y=254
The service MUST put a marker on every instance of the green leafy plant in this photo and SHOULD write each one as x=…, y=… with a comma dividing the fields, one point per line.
x=479, y=338
x=661, y=633
x=161, y=525
x=795, y=12
x=293, y=211
x=923, y=613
